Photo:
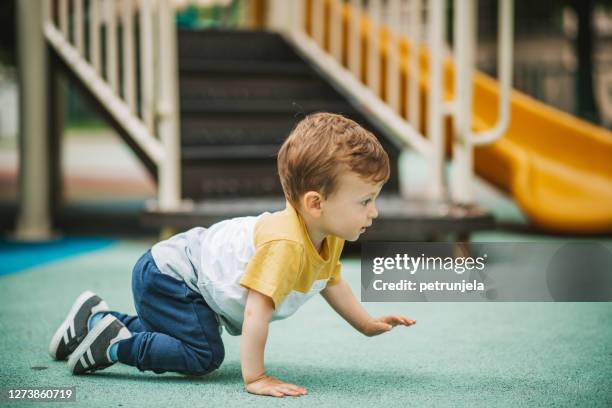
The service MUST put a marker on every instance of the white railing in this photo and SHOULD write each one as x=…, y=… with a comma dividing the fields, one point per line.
x=464, y=140
x=392, y=31
x=151, y=122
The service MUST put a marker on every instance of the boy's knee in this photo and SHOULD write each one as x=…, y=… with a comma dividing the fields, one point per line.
x=218, y=355
x=207, y=361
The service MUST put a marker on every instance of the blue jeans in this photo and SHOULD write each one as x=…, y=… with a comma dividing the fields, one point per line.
x=175, y=330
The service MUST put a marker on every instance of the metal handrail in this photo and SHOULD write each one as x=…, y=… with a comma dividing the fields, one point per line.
x=155, y=128
x=374, y=30
x=377, y=30
x=505, y=23
x=464, y=139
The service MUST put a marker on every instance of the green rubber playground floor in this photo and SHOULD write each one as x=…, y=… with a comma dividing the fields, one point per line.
x=458, y=354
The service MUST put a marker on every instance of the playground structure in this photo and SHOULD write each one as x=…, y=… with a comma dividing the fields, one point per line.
x=412, y=91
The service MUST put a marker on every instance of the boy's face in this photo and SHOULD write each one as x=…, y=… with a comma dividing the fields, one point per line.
x=348, y=211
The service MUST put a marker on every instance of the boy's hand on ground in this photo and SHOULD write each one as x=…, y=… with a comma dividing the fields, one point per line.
x=268, y=385
x=384, y=324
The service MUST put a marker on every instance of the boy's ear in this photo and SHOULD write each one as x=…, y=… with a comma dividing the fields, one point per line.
x=311, y=201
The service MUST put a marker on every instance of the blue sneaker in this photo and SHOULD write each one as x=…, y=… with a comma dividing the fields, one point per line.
x=74, y=328
x=93, y=352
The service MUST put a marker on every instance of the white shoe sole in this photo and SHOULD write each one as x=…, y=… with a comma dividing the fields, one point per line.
x=59, y=333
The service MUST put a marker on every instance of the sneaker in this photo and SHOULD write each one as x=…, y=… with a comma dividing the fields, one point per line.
x=75, y=327
x=92, y=354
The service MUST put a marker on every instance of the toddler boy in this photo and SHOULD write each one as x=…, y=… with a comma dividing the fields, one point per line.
x=244, y=272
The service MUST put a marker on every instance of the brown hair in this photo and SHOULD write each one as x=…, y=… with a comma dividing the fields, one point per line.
x=320, y=147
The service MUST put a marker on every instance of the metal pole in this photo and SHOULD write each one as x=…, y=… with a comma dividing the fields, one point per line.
x=393, y=69
x=277, y=13
x=77, y=24
x=335, y=27
x=63, y=17
x=299, y=16
x=373, y=61
x=147, y=82
x=435, y=108
x=112, y=74
x=129, y=89
x=169, y=187
x=464, y=140
x=504, y=64
x=318, y=22
x=465, y=36
x=413, y=103
x=94, y=34
x=354, y=42
x=34, y=221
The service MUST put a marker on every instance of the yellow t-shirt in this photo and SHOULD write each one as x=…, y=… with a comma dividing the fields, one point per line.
x=286, y=266
x=270, y=253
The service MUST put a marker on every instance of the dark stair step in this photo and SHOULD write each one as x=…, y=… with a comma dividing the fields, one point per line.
x=229, y=130
x=236, y=152
x=236, y=176
x=297, y=108
x=241, y=93
x=202, y=136
x=234, y=45
x=399, y=219
x=202, y=66
x=221, y=178
x=246, y=87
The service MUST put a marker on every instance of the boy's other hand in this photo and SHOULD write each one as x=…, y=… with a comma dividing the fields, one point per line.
x=268, y=385
x=383, y=324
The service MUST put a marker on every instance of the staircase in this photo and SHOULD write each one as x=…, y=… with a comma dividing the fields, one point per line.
x=207, y=118
x=241, y=93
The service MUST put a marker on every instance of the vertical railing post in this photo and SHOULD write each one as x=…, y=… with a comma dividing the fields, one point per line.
x=110, y=13
x=435, y=100
x=94, y=34
x=34, y=219
x=465, y=37
x=373, y=64
x=277, y=12
x=354, y=46
x=128, y=55
x=169, y=185
x=335, y=35
x=146, y=63
x=298, y=16
x=393, y=72
x=63, y=17
x=413, y=95
x=464, y=140
x=77, y=24
x=317, y=22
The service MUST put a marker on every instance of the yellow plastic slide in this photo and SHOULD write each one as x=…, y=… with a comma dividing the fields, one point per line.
x=558, y=168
